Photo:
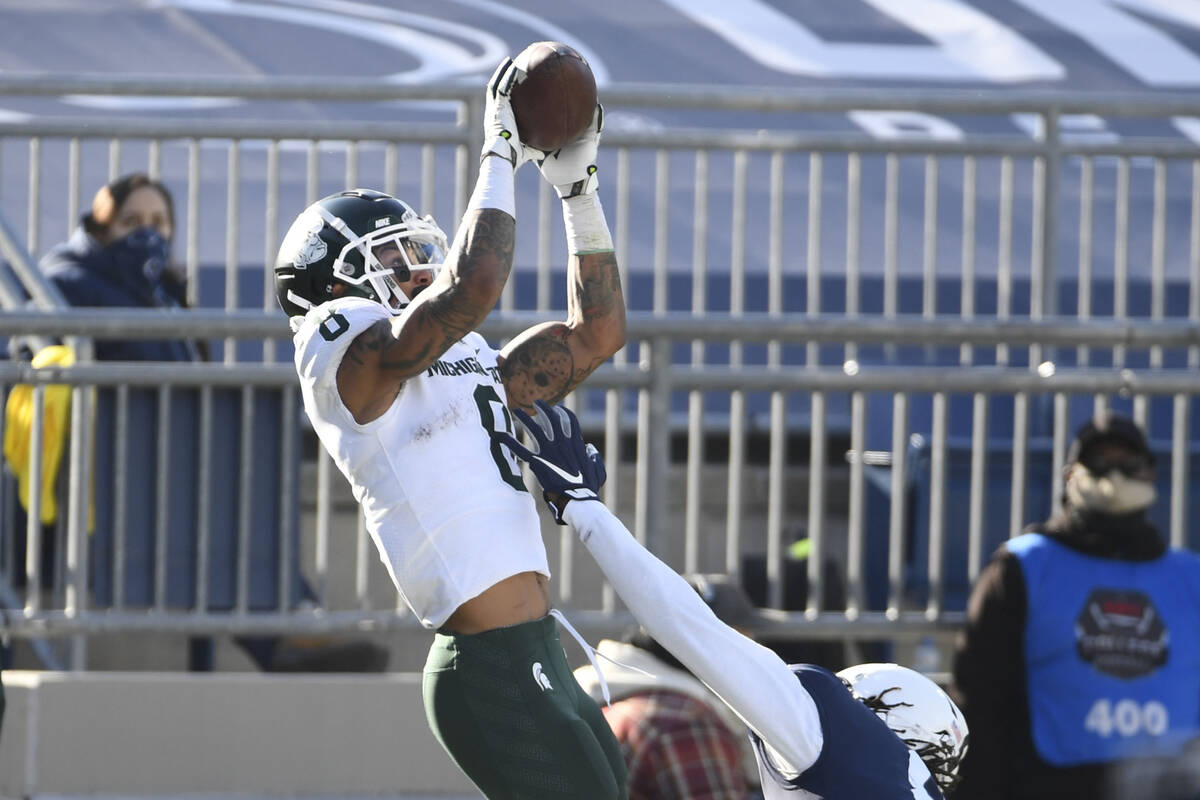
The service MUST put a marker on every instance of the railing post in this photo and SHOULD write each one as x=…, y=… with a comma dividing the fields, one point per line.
x=77, y=521
x=33, y=513
x=1053, y=165
x=474, y=124
x=45, y=294
x=79, y=482
x=659, y=446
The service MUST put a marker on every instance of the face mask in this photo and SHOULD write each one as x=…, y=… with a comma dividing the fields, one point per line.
x=142, y=253
x=1112, y=493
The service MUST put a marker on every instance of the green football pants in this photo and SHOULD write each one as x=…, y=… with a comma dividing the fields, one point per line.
x=505, y=706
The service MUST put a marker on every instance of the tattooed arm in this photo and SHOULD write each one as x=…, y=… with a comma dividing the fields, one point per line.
x=382, y=357
x=547, y=361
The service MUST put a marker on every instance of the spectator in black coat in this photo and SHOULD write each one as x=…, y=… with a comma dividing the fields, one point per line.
x=120, y=256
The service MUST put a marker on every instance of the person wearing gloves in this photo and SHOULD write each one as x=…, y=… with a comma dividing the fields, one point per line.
x=406, y=397
x=1081, y=648
x=872, y=730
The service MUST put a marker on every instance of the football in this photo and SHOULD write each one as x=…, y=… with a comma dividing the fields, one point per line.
x=556, y=101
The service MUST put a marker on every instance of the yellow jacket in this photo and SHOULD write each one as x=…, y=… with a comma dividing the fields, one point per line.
x=18, y=431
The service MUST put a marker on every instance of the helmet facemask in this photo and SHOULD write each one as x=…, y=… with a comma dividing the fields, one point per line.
x=389, y=255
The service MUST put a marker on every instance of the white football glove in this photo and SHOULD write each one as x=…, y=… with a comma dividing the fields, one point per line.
x=500, y=137
x=571, y=169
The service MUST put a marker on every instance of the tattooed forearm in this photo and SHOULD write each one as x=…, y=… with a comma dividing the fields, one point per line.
x=458, y=300
x=597, y=290
x=471, y=282
x=485, y=250
x=596, y=305
x=548, y=361
x=382, y=357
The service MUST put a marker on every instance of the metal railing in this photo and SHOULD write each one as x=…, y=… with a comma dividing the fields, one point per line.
x=426, y=160
x=760, y=299
x=45, y=296
x=653, y=380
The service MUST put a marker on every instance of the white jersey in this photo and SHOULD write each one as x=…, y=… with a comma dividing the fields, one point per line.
x=444, y=502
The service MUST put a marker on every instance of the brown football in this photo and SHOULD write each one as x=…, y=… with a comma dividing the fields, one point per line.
x=557, y=99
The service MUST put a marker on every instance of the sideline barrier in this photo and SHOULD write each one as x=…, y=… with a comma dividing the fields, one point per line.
x=172, y=734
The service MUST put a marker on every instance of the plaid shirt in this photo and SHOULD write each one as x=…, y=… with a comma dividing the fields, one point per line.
x=676, y=747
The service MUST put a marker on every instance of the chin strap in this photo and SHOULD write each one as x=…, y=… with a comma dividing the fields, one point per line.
x=298, y=300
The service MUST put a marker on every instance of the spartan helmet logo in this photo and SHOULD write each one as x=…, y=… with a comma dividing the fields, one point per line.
x=313, y=248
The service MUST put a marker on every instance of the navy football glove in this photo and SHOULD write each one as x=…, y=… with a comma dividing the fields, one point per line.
x=566, y=467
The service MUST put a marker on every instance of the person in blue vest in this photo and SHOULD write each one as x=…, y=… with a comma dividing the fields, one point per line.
x=1082, y=649
x=868, y=732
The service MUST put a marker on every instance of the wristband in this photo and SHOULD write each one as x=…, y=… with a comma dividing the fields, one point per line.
x=495, y=187
x=587, y=229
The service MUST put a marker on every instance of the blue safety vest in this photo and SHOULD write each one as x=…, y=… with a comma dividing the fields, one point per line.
x=1112, y=652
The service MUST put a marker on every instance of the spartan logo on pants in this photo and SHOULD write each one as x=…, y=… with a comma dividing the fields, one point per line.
x=542, y=679
x=1120, y=633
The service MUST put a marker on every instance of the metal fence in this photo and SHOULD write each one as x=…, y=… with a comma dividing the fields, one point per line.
x=771, y=331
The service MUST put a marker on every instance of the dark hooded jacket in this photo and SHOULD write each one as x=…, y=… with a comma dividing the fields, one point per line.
x=90, y=275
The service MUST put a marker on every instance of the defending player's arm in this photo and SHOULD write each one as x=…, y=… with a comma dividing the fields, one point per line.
x=476, y=268
x=749, y=678
x=547, y=361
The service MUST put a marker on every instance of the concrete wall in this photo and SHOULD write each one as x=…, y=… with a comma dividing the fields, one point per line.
x=164, y=733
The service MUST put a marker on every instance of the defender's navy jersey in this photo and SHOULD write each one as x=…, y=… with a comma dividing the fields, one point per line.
x=860, y=758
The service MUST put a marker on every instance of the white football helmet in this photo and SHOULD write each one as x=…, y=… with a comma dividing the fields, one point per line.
x=917, y=711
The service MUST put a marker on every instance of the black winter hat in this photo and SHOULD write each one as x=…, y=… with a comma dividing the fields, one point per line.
x=1109, y=426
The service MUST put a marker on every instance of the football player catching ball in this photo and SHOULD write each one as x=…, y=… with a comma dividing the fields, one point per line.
x=406, y=397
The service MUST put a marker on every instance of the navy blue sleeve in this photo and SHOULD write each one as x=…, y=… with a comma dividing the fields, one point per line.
x=77, y=288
